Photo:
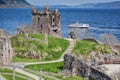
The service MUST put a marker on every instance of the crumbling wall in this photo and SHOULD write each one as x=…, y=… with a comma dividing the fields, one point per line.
x=6, y=51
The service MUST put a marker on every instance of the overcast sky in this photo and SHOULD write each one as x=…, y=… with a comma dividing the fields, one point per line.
x=65, y=2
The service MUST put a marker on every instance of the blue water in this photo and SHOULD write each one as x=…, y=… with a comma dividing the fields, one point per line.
x=101, y=21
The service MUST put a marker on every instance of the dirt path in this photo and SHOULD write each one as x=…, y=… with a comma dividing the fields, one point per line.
x=20, y=70
x=70, y=47
x=27, y=74
x=54, y=61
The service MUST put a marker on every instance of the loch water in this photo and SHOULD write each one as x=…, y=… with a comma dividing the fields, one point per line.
x=100, y=20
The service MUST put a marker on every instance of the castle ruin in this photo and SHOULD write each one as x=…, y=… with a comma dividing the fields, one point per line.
x=46, y=21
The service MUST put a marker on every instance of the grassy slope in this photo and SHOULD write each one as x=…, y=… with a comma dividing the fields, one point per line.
x=53, y=50
x=50, y=67
x=83, y=47
x=9, y=77
x=23, y=59
x=73, y=78
x=54, y=68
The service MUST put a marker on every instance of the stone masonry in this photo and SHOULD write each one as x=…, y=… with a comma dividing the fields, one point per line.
x=46, y=21
x=6, y=52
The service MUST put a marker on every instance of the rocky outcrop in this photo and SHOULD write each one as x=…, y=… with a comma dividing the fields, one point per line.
x=75, y=66
x=14, y=3
x=78, y=67
x=98, y=75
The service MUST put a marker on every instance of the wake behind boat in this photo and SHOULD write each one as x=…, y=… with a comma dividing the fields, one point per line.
x=78, y=25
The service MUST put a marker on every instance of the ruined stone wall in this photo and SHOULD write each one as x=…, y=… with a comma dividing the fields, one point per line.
x=78, y=67
x=24, y=29
x=6, y=51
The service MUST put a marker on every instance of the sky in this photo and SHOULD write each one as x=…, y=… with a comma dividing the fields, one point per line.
x=65, y=2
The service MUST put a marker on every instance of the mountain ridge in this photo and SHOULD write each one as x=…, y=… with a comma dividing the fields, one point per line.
x=14, y=4
x=115, y=4
x=107, y=5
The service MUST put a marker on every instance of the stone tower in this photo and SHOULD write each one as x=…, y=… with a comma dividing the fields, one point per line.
x=6, y=52
x=46, y=21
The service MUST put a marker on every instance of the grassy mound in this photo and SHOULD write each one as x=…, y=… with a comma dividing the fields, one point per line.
x=22, y=46
x=84, y=47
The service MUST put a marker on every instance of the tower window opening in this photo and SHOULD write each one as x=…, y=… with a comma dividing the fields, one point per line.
x=53, y=20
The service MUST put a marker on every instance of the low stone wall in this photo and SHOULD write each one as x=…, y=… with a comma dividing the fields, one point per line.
x=78, y=67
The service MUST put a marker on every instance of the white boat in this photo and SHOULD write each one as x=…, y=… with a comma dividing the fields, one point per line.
x=79, y=25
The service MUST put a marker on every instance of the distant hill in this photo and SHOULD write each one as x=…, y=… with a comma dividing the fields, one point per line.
x=53, y=6
x=14, y=3
x=115, y=4
x=108, y=5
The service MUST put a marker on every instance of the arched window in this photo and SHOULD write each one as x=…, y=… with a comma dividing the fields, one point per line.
x=53, y=20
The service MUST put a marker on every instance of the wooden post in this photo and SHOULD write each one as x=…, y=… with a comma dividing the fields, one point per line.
x=40, y=74
x=26, y=35
x=14, y=71
x=46, y=38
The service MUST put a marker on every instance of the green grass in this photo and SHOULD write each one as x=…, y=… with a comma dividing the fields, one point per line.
x=52, y=51
x=23, y=59
x=69, y=78
x=9, y=77
x=5, y=70
x=50, y=67
x=37, y=36
x=75, y=78
x=46, y=78
x=84, y=47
